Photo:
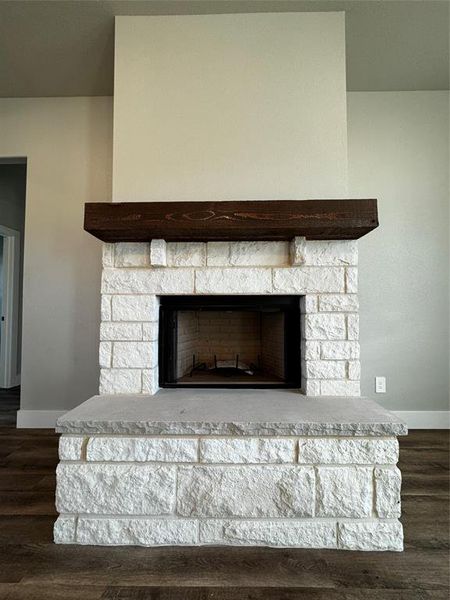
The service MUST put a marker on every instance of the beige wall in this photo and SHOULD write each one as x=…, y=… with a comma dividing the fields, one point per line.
x=398, y=153
x=220, y=107
x=68, y=146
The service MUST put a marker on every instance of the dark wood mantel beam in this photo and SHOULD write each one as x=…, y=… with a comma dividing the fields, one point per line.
x=232, y=220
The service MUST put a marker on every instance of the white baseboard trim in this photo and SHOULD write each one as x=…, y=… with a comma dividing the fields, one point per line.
x=425, y=419
x=38, y=419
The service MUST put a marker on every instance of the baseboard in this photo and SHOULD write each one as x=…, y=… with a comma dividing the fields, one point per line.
x=424, y=419
x=38, y=419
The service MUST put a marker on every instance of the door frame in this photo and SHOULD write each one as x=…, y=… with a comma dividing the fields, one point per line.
x=9, y=377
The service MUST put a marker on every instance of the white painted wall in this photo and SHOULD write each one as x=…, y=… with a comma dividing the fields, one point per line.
x=399, y=153
x=222, y=107
x=68, y=144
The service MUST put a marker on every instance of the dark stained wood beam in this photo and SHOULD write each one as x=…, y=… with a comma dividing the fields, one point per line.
x=231, y=220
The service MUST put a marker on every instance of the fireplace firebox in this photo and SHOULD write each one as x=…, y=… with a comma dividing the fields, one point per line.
x=230, y=341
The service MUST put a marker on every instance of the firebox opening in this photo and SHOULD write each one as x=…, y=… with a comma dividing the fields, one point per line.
x=229, y=341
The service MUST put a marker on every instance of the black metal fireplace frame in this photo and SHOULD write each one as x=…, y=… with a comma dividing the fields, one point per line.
x=289, y=305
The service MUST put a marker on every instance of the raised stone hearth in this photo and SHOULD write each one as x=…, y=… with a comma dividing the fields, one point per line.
x=261, y=467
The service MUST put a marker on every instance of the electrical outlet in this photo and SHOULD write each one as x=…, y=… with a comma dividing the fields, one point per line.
x=380, y=385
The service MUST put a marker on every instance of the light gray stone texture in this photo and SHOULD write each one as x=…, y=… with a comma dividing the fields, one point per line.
x=150, y=381
x=353, y=327
x=229, y=412
x=150, y=331
x=351, y=280
x=354, y=369
x=70, y=447
x=336, y=387
x=107, y=254
x=64, y=530
x=120, y=381
x=132, y=254
x=105, y=355
x=122, y=489
x=308, y=303
x=218, y=254
x=121, y=331
x=308, y=280
x=186, y=254
x=249, y=450
x=344, y=492
x=137, y=532
x=259, y=254
x=338, y=303
x=141, y=449
x=135, y=308
x=297, y=251
x=158, y=253
x=310, y=350
x=148, y=281
x=279, y=533
x=331, y=253
x=381, y=451
x=371, y=535
x=325, y=326
x=311, y=387
x=233, y=281
x=337, y=350
x=135, y=355
x=388, y=484
x=105, y=310
x=324, y=369
x=247, y=491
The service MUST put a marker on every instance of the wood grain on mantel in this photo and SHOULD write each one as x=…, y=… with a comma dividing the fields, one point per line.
x=231, y=220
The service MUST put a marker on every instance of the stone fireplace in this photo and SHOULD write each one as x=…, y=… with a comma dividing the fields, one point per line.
x=219, y=460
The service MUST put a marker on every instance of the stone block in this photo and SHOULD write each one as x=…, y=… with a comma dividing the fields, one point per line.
x=135, y=308
x=351, y=280
x=324, y=369
x=105, y=308
x=336, y=387
x=338, y=303
x=150, y=331
x=136, y=532
x=64, y=530
x=120, y=331
x=353, y=327
x=371, y=535
x=107, y=254
x=186, y=254
x=337, y=350
x=70, y=447
x=259, y=254
x=150, y=384
x=325, y=326
x=310, y=350
x=331, y=253
x=344, y=492
x=308, y=280
x=135, y=355
x=218, y=254
x=233, y=281
x=311, y=387
x=105, y=355
x=365, y=451
x=388, y=484
x=132, y=254
x=141, y=449
x=354, y=369
x=247, y=450
x=308, y=304
x=279, y=533
x=297, y=251
x=148, y=281
x=120, y=381
x=122, y=489
x=158, y=253
x=247, y=491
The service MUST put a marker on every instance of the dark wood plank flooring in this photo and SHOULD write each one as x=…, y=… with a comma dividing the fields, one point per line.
x=33, y=568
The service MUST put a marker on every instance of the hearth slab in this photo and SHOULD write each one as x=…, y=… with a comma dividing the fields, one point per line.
x=230, y=412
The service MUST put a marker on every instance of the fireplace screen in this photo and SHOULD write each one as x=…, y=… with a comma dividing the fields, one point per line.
x=229, y=341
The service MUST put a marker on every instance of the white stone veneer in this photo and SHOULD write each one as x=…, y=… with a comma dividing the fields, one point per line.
x=322, y=273
x=285, y=491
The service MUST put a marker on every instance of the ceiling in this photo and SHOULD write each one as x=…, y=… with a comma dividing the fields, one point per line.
x=66, y=47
